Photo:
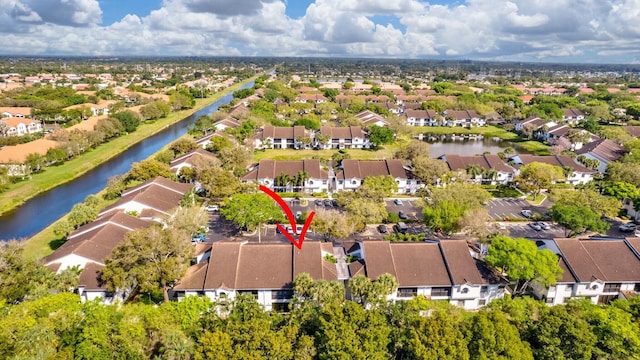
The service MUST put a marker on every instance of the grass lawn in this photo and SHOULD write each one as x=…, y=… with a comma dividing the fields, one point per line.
x=504, y=192
x=45, y=242
x=538, y=200
x=293, y=154
x=51, y=177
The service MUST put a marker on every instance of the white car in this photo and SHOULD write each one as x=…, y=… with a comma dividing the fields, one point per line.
x=526, y=213
x=213, y=208
x=535, y=226
x=628, y=227
x=544, y=225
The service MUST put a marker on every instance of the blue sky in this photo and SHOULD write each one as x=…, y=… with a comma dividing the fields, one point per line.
x=587, y=31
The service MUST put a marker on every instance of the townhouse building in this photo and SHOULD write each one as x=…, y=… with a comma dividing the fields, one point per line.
x=352, y=174
x=296, y=175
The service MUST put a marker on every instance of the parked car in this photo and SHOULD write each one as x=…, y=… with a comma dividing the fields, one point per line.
x=318, y=202
x=526, y=213
x=544, y=225
x=328, y=203
x=382, y=229
x=397, y=202
x=334, y=202
x=213, y=208
x=198, y=238
x=298, y=214
x=628, y=227
x=402, y=215
x=535, y=226
x=401, y=228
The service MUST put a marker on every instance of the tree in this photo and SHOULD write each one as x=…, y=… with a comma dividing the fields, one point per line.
x=537, y=176
x=523, y=262
x=378, y=187
x=183, y=146
x=217, y=182
x=490, y=335
x=20, y=277
x=561, y=334
x=577, y=219
x=446, y=206
x=218, y=143
x=624, y=172
x=235, y=159
x=128, y=119
x=380, y=135
x=414, y=149
x=334, y=224
x=249, y=211
x=188, y=220
x=429, y=170
x=438, y=336
x=369, y=211
x=147, y=170
x=591, y=199
x=587, y=162
x=34, y=162
x=148, y=259
x=621, y=190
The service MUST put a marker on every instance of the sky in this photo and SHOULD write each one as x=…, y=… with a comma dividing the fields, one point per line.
x=559, y=31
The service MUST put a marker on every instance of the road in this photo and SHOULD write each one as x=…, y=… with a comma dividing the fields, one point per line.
x=510, y=208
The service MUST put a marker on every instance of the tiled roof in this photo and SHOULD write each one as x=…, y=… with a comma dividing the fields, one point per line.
x=486, y=161
x=282, y=132
x=349, y=132
x=605, y=260
x=604, y=149
x=412, y=264
x=270, y=169
x=359, y=169
x=556, y=160
x=244, y=266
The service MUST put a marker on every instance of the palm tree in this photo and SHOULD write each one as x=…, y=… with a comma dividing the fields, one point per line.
x=490, y=174
x=282, y=181
x=300, y=179
x=474, y=170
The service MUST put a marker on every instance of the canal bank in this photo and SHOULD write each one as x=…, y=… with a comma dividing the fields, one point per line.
x=53, y=177
x=43, y=209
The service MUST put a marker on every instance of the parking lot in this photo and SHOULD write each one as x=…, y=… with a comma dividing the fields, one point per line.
x=409, y=206
x=524, y=229
x=510, y=208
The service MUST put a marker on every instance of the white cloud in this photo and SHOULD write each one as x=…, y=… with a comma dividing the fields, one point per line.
x=474, y=29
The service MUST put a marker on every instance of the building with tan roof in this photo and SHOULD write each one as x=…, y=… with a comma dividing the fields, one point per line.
x=12, y=111
x=598, y=269
x=440, y=270
x=493, y=169
x=572, y=116
x=464, y=118
x=423, y=117
x=19, y=126
x=603, y=150
x=579, y=173
x=151, y=200
x=353, y=173
x=282, y=137
x=264, y=271
x=350, y=137
x=369, y=118
x=267, y=172
x=189, y=159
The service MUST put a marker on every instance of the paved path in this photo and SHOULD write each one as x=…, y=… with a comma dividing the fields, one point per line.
x=341, y=265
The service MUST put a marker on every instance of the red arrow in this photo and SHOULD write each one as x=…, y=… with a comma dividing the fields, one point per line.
x=292, y=221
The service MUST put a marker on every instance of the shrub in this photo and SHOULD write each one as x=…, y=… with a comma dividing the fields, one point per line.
x=330, y=258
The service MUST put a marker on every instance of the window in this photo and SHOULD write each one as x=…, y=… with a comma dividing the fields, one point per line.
x=310, y=182
x=441, y=291
x=407, y=292
x=568, y=288
x=611, y=287
x=605, y=299
x=549, y=300
x=253, y=293
x=324, y=182
x=281, y=294
x=354, y=182
x=482, y=302
x=460, y=303
x=636, y=288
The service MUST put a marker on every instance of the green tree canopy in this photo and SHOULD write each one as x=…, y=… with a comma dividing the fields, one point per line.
x=577, y=219
x=523, y=262
x=537, y=176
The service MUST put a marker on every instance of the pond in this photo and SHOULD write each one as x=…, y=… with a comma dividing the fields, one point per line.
x=467, y=145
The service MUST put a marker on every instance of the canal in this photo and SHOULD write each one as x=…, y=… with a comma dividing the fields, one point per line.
x=41, y=211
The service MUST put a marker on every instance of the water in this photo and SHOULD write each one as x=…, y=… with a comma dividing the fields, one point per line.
x=468, y=145
x=41, y=211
